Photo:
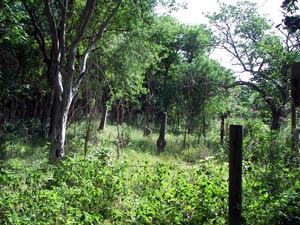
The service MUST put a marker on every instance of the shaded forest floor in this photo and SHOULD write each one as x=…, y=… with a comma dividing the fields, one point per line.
x=180, y=186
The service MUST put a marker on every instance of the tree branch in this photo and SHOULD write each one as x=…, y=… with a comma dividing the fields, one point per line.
x=62, y=30
x=39, y=37
x=56, y=51
x=254, y=87
x=82, y=23
x=52, y=26
x=92, y=44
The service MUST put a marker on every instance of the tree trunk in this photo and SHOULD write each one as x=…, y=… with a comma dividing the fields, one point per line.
x=161, y=142
x=122, y=112
x=222, y=129
x=61, y=60
x=294, y=130
x=278, y=114
x=275, y=121
x=87, y=133
x=186, y=132
x=203, y=125
x=103, y=118
x=59, y=120
x=120, y=141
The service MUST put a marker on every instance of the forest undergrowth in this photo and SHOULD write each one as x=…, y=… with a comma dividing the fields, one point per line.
x=179, y=186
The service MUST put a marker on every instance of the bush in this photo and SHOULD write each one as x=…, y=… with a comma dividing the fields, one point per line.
x=161, y=194
x=82, y=191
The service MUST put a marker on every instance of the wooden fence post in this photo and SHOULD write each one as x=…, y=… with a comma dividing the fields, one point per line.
x=235, y=174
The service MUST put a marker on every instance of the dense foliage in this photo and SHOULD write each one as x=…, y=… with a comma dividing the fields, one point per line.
x=146, y=189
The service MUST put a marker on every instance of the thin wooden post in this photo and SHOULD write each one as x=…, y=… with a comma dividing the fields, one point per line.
x=235, y=174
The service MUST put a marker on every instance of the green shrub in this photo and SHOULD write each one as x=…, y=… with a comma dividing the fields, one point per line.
x=82, y=191
x=166, y=195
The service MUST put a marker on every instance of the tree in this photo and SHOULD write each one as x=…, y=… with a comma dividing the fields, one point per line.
x=166, y=35
x=184, y=79
x=197, y=83
x=21, y=80
x=247, y=36
x=177, y=45
x=67, y=35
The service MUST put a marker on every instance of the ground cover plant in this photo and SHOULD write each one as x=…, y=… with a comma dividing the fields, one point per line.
x=142, y=187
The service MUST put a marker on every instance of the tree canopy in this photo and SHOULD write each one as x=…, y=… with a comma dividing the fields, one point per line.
x=248, y=38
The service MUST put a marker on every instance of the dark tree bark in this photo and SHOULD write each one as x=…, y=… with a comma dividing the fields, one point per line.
x=103, y=118
x=146, y=109
x=235, y=175
x=278, y=114
x=161, y=142
x=186, y=131
x=222, y=129
x=295, y=102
